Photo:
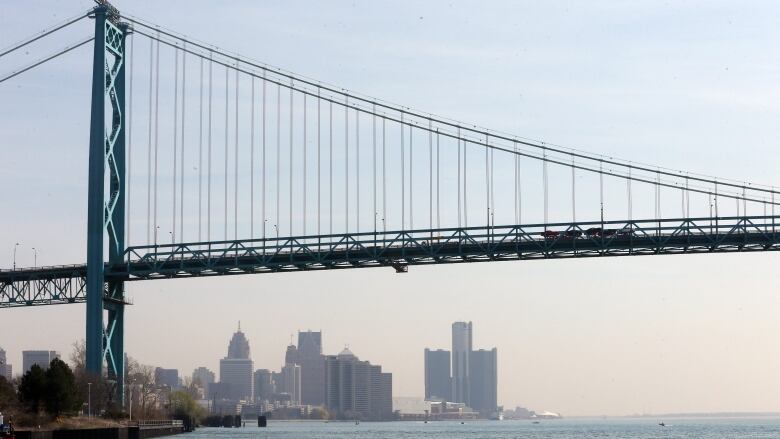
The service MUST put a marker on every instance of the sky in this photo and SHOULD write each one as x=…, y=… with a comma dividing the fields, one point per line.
x=684, y=85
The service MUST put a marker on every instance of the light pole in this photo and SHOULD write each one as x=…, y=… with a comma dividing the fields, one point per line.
x=35, y=256
x=15, y=245
x=131, y=400
x=89, y=400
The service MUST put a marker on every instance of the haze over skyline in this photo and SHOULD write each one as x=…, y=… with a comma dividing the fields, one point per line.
x=689, y=86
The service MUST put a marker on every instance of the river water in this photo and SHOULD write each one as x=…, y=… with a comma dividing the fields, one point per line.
x=618, y=428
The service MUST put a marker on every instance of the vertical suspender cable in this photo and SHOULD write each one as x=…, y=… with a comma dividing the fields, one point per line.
x=330, y=167
x=465, y=184
x=290, y=200
x=438, y=192
x=403, y=177
x=430, y=174
x=384, y=176
x=235, y=164
x=628, y=190
x=277, y=210
x=227, y=109
x=519, y=190
x=346, y=164
x=687, y=199
x=304, y=164
x=515, y=157
x=252, y=161
x=492, y=187
x=183, y=121
x=208, y=155
x=319, y=164
x=129, y=144
x=200, y=157
x=459, y=186
x=262, y=195
x=411, y=179
x=357, y=170
x=373, y=135
x=573, y=192
x=601, y=191
x=175, y=137
x=545, y=189
x=156, y=133
x=149, y=151
x=487, y=185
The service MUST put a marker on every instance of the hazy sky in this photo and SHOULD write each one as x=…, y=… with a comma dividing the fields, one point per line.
x=686, y=85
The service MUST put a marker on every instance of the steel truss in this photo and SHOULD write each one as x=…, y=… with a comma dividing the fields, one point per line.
x=399, y=250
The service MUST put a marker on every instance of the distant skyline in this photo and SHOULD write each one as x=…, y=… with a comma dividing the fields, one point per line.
x=684, y=85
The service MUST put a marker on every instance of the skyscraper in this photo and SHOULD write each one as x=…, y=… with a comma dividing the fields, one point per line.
x=461, y=348
x=291, y=377
x=203, y=377
x=483, y=381
x=438, y=384
x=357, y=389
x=235, y=370
x=41, y=358
x=5, y=368
x=264, y=385
x=312, y=365
x=166, y=377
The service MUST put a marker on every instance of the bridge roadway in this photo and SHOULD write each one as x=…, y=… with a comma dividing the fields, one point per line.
x=66, y=284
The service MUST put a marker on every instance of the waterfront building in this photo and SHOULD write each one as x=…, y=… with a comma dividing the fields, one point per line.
x=41, y=358
x=357, y=389
x=264, y=385
x=203, y=377
x=236, y=370
x=167, y=377
x=438, y=383
x=312, y=364
x=483, y=382
x=461, y=348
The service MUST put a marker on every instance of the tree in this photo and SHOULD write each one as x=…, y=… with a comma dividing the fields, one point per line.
x=8, y=399
x=33, y=388
x=61, y=391
x=184, y=407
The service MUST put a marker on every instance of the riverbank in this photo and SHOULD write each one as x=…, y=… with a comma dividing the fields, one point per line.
x=139, y=430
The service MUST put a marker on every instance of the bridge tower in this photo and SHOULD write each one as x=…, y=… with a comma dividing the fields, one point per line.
x=106, y=202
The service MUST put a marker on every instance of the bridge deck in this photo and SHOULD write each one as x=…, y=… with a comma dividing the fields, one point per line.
x=65, y=284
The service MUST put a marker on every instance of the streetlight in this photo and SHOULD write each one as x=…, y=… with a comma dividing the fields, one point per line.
x=35, y=253
x=89, y=400
x=15, y=245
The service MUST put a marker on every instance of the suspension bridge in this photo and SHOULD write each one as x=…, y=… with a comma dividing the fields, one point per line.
x=246, y=168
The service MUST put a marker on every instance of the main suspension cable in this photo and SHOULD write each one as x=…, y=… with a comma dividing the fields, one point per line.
x=44, y=33
x=46, y=59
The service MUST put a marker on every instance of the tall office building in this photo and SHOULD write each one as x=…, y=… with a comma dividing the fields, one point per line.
x=483, y=382
x=291, y=378
x=203, y=377
x=41, y=358
x=438, y=384
x=166, y=377
x=312, y=365
x=357, y=389
x=461, y=348
x=264, y=385
x=236, y=370
x=5, y=368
